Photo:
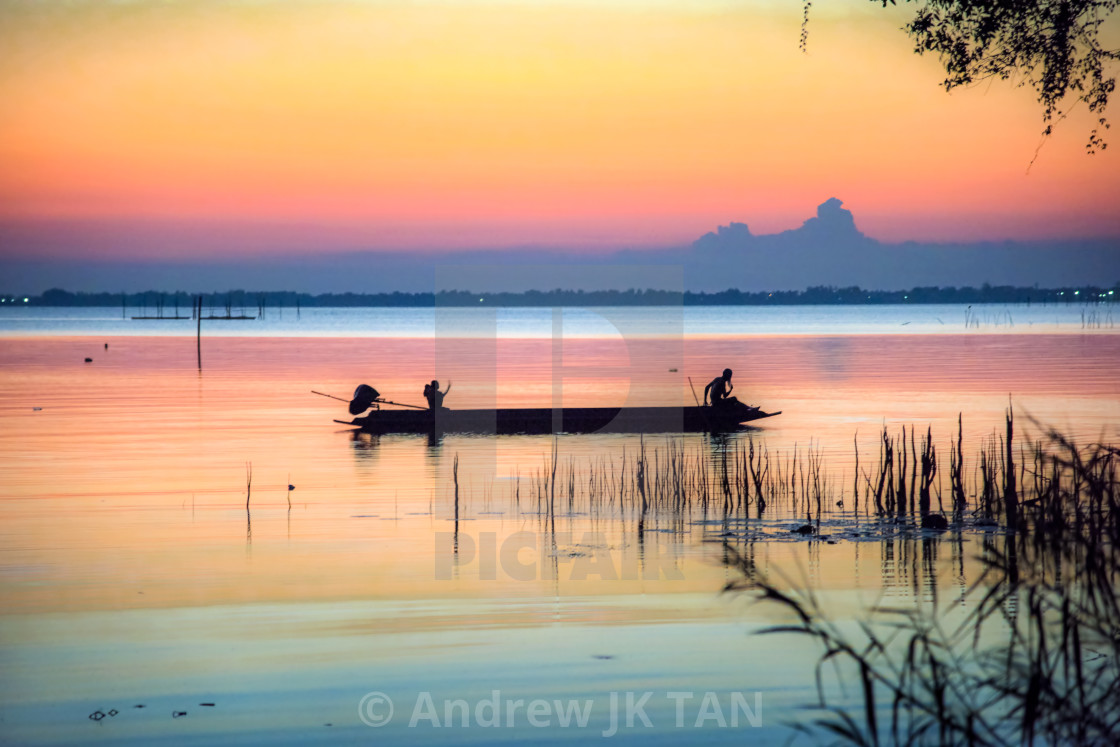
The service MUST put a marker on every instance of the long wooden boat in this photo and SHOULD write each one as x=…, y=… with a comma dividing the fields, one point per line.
x=567, y=420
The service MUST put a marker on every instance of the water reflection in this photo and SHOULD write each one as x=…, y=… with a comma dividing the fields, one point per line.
x=124, y=495
x=658, y=502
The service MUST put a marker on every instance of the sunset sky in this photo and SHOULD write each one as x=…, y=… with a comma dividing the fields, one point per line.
x=194, y=129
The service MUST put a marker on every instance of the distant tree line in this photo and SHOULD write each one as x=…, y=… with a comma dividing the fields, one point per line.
x=241, y=301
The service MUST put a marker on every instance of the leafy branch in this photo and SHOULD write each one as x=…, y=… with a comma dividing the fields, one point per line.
x=1053, y=46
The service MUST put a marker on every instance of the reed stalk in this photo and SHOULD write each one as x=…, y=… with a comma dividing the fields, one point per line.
x=1049, y=588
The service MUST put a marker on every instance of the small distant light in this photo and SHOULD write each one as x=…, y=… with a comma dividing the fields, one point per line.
x=480, y=300
x=1111, y=292
x=905, y=297
x=1061, y=293
x=1076, y=293
x=25, y=300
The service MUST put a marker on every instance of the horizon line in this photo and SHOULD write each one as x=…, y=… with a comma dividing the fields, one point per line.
x=58, y=297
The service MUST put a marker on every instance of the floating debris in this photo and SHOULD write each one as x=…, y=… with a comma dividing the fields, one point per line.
x=96, y=716
x=89, y=360
x=178, y=714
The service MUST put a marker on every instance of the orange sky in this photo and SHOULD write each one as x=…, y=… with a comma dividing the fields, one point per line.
x=481, y=124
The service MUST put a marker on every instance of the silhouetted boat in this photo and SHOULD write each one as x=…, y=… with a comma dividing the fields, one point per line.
x=566, y=420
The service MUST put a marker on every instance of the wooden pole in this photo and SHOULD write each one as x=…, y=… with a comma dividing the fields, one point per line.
x=198, y=334
x=340, y=399
x=378, y=401
x=694, y=397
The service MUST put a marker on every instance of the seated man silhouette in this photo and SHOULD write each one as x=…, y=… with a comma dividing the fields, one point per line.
x=720, y=390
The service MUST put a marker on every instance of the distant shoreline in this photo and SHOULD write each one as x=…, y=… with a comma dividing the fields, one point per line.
x=169, y=302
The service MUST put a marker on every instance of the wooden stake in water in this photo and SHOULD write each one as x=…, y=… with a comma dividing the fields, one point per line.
x=248, y=493
x=198, y=335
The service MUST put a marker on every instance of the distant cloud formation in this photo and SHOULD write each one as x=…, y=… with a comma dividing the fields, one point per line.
x=833, y=223
x=828, y=249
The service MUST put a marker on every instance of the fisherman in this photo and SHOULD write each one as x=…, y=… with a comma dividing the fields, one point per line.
x=720, y=389
x=434, y=396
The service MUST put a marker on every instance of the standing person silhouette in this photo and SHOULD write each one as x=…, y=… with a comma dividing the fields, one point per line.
x=434, y=396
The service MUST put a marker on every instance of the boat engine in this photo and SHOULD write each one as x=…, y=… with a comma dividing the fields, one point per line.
x=364, y=397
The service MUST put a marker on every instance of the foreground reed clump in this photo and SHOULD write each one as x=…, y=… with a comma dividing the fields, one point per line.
x=1035, y=655
x=1029, y=653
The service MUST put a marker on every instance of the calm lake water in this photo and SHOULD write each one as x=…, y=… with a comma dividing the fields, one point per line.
x=133, y=573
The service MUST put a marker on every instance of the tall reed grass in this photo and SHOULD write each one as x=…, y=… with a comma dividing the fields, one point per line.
x=741, y=479
x=1049, y=669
